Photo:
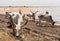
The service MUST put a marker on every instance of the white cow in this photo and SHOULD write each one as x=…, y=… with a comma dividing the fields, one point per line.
x=16, y=19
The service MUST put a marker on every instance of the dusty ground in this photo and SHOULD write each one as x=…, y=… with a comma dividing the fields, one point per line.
x=5, y=33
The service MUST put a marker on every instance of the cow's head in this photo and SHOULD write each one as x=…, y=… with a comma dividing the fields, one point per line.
x=15, y=17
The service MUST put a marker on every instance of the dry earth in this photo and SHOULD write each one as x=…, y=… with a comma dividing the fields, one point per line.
x=5, y=32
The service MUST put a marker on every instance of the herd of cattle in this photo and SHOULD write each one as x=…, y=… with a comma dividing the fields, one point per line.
x=17, y=20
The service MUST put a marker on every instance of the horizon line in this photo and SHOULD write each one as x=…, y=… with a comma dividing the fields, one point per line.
x=31, y=6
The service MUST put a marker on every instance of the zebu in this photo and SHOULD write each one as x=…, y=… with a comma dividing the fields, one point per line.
x=16, y=20
x=33, y=15
x=46, y=21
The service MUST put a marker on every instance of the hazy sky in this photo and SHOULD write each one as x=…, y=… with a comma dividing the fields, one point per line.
x=29, y=2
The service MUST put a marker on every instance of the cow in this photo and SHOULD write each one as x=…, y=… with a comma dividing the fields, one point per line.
x=46, y=20
x=16, y=21
x=33, y=15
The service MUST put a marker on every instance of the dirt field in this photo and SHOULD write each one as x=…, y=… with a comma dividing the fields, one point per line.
x=31, y=32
